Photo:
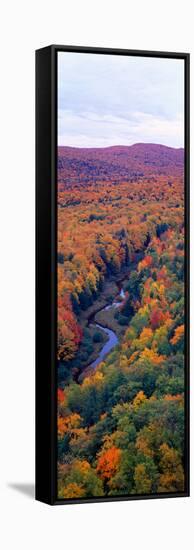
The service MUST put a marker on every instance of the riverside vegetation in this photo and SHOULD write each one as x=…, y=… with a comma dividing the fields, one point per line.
x=120, y=218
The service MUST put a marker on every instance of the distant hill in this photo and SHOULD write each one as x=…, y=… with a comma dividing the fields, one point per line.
x=118, y=163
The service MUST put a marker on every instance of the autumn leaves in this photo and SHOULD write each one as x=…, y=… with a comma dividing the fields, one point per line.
x=121, y=431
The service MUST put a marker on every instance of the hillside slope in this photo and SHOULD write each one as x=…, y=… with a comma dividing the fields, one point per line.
x=118, y=163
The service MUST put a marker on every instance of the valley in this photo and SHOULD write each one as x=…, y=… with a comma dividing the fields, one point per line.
x=120, y=320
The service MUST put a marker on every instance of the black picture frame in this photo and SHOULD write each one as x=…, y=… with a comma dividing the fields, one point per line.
x=46, y=277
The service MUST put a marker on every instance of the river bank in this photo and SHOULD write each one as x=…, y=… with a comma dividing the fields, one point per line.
x=99, y=319
x=107, y=316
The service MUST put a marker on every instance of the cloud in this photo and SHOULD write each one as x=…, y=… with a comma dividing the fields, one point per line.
x=95, y=130
x=108, y=100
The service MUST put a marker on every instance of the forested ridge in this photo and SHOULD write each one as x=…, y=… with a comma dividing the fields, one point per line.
x=121, y=425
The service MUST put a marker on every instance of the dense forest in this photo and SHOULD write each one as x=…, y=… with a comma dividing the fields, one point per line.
x=120, y=424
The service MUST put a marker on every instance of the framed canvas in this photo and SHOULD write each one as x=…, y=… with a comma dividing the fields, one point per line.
x=112, y=274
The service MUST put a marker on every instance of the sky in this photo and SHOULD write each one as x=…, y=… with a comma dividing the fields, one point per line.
x=108, y=100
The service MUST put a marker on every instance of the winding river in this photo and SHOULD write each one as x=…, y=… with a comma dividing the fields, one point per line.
x=112, y=337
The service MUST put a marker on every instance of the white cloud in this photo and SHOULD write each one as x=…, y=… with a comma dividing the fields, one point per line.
x=110, y=100
x=95, y=130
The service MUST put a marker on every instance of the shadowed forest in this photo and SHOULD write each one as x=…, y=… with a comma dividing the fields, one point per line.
x=120, y=321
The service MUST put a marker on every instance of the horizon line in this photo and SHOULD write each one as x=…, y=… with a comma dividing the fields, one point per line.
x=123, y=145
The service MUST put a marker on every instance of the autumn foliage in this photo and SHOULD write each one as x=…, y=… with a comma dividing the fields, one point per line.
x=108, y=463
x=121, y=426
